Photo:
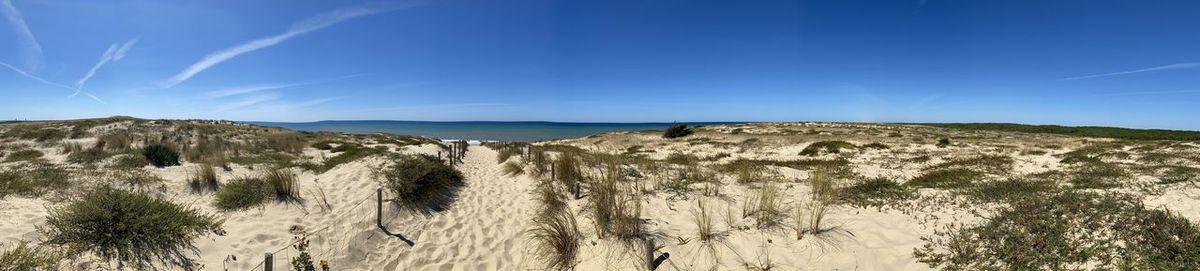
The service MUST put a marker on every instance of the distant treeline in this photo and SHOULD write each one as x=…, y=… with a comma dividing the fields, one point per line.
x=1085, y=131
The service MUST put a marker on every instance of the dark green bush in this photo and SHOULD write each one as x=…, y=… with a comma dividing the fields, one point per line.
x=422, y=183
x=677, y=130
x=160, y=155
x=836, y=146
x=129, y=228
x=243, y=193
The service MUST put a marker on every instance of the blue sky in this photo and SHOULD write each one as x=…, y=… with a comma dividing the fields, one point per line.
x=1114, y=63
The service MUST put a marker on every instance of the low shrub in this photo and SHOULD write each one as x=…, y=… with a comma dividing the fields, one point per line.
x=23, y=257
x=113, y=141
x=876, y=192
x=677, y=130
x=243, y=193
x=23, y=155
x=129, y=162
x=946, y=178
x=943, y=142
x=88, y=156
x=129, y=228
x=422, y=183
x=160, y=155
x=817, y=148
x=323, y=145
x=33, y=180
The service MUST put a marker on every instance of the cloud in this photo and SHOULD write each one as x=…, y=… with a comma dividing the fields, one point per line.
x=308, y=25
x=261, y=87
x=253, y=100
x=1176, y=66
x=31, y=50
x=1153, y=92
x=34, y=77
x=115, y=52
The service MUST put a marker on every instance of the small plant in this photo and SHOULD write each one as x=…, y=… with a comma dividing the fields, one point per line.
x=943, y=142
x=131, y=161
x=203, y=178
x=88, y=156
x=242, y=193
x=422, y=183
x=23, y=155
x=824, y=193
x=114, y=141
x=677, y=130
x=130, y=228
x=69, y=147
x=160, y=155
x=33, y=180
x=25, y=257
x=817, y=148
x=304, y=261
x=765, y=206
x=876, y=192
x=946, y=178
x=323, y=145
x=556, y=239
x=705, y=228
x=283, y=183
x=513, y=168
x=876, y=145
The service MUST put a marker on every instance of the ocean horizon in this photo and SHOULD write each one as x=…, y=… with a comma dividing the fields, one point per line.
x=517, y=131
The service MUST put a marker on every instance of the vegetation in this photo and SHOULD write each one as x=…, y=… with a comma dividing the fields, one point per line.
x=817, y=148
x=765, y=206
x=243, y=193
x=556, y=239
x=133, y=229
x=1084, y=131
x=1070, y=230
x=23, y=155
x=24, y=257
x=876, y=192
x=677, y=130
x=282, y=183
x=33, y=180
x=160, y=155
x=422, y=183
x=88, y=156
x=616, y=211
x=513, y=168
x=203, y=178
x=946, y=178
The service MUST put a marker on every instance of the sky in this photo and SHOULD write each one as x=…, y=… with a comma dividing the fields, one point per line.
x=1108, y=63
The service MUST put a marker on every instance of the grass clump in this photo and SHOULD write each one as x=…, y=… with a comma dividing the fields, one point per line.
x=132, y=229
x=113, y=141
x=677, y=130
x=1098, y=176
x=994, y=164
x=160, y=155
x=242, y=193
x=1068, y=231
x=705, y=227
x=129, y=162
x=283, y=183
x=1013, y=189
x=824, y=193
x=835, y=146
x=24, y=257
x=556, y=239
x=616, y=211
x=513, y=168
x=765, y=206
x=203, y=178
x=946, y=178
x=23, y=155
x=88, y=156
x=422, y=183
x=876, y=192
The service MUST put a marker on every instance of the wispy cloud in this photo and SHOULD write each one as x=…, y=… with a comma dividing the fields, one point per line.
x=252, y=100
x=34, y=77
x=308, y=25
x=1176, y=66
x=115, y=52
x=31, y=50
x=1160, y=92
x=262, y=87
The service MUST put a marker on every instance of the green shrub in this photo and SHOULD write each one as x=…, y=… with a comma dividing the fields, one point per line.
x=422, y=183
x=23, y=257
x=946, y=178
x=876, y=145
x=677, y=130
x=160, y=155
x=994, y=164
x=876, y=192
x=1013, y=189
x=243, y=193
x=23, y=155
x=129, y=228
x=1067, y=231
x=943, y=142
x=33, y=180
x=682, y=159
x=88, y=156
x=835, y=146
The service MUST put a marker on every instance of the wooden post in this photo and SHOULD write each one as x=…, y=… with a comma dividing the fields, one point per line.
x=379, y=207
x=268, y=264
x=552, y=171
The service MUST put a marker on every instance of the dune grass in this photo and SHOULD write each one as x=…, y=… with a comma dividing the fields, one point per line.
x=513, y=168
x=835, y=146
x=876, y=192
x=23, y=155
x=556, y=239
x=422, y=183
x=282, y=182
x=132, y=229
x=34, y=180
x=242, y=193
x=203, y=178
x=160, y=155
x=764, y=205
x=615, y=210
x=24, y=257
x=946, y=178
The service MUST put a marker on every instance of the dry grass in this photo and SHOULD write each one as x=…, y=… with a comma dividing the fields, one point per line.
x=705, y=228
x=615, y=210
x=203, y=178
x=765, y=206
x=24, y=257
x=513, y=168
x=283, y=183
x=824, y=193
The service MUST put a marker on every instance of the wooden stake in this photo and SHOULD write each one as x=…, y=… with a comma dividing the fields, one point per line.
x=268, y=264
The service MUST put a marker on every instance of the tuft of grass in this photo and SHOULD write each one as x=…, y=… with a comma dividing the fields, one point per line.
x=705, y=228
x=242, y=193
x=69, y=147
x=876, y=145
x=323, y=145
x=130, y=162
x=943, y=142
x=129, y=228
x=616, y=211
x=876, y=192
x=677, y=130
x=23, y=155
x=557, y=239
x=203, y=178
x=513, y=168
x=113, y=141
x=765, y=206
x=160, y=155
x=422, y=183
x=682, y=159
x=946, y=178
x=88, y=156
x=835, y=146
x=824, y=193
x=24, y=257
x=282, y=181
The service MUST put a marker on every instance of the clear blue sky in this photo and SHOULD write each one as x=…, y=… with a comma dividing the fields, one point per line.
x=1116, y=63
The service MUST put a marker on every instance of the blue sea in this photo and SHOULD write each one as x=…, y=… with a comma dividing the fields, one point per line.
x=519, y=131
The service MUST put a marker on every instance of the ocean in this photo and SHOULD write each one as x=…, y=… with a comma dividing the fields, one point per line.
x=518, y=131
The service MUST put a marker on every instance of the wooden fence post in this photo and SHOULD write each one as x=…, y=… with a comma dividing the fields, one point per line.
x=379, y=207
x=268, y=264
